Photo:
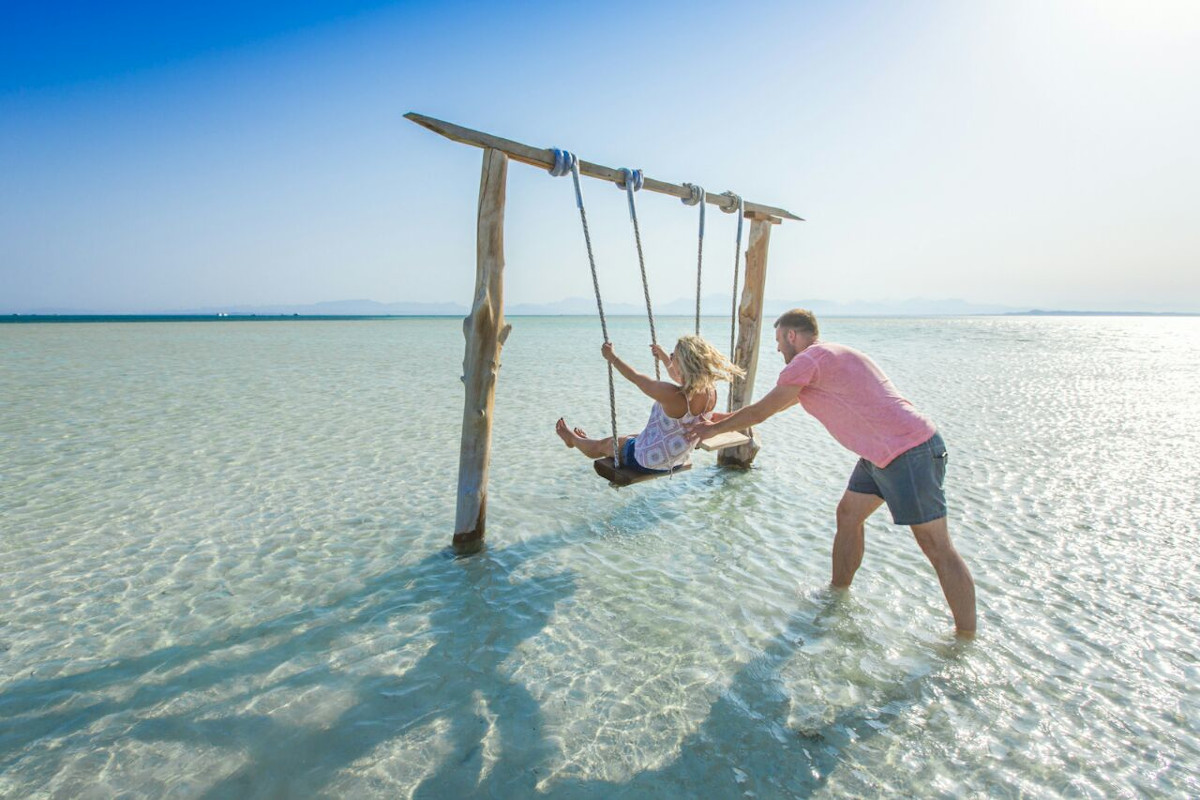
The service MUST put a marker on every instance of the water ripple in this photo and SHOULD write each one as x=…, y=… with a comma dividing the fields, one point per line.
x=227, y=574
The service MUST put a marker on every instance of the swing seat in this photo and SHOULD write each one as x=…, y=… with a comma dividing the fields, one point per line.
x=624, y=476
x=724, y=440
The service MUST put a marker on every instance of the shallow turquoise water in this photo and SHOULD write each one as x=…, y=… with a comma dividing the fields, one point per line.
x=225, y=573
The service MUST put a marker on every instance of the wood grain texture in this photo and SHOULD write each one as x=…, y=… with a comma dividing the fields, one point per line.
x=723, y=440
x=485, y=332
x=544, y=158
x=745, y=354
x=624, y=476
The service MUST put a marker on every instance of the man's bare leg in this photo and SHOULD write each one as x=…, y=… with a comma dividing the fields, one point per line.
x=952, y=572
x=848, y=544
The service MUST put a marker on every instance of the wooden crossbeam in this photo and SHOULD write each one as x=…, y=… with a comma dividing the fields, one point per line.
x=544, y=157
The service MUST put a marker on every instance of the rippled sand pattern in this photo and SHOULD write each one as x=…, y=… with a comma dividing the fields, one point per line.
x=225, y=573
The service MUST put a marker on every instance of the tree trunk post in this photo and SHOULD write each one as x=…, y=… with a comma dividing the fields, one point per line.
x=745, y=354
x=485, y=332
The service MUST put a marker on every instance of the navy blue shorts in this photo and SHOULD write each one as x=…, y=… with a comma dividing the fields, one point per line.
x=628, y=460
x=911, y=484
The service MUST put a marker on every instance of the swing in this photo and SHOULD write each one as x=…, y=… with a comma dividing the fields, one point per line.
x=736, y=204
x=610, y=467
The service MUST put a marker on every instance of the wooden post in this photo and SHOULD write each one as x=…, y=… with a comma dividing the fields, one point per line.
x=485, y=332
x=745, y=354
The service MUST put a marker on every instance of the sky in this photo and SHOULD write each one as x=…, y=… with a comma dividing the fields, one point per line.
x=1035, y=154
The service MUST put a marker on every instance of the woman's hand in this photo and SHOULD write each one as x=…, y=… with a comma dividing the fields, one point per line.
x=606, y=350
x=660, y=354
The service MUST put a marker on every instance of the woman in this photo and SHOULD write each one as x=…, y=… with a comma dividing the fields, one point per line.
x=695, y=366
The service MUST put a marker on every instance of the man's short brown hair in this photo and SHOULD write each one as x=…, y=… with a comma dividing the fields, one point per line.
x=799, y=319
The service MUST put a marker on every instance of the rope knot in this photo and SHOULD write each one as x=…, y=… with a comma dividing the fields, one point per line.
x=564, y=162
x=630, y=177
x=735, y=203
x=696, y=197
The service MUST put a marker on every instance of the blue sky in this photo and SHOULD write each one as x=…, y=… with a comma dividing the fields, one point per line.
x=1037, y=154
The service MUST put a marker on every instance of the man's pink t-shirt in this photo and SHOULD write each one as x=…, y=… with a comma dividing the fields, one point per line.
x=855, y=402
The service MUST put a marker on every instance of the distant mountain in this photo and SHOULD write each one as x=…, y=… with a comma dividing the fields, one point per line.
x=916, y=306
x=1037, y=312
x=719, y=305
x=572, y=307
x=341, y=308
x=715, y=305
x=711, y=305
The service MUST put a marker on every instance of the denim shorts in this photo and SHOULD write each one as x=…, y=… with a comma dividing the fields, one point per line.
x=911, y=484
x=628, y=460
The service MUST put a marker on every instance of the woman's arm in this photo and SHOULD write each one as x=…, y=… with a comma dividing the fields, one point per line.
x=662, y=391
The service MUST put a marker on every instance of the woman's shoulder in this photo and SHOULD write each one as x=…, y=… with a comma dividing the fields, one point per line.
x=702, y=402
x=677, y=404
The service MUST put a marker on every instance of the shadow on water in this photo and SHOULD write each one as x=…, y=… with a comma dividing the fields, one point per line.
x=747, y=746
x=478, y=614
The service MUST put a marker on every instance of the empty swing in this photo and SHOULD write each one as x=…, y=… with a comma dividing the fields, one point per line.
x=735, y=205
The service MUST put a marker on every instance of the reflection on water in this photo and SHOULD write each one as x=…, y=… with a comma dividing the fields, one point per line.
x=226, y=574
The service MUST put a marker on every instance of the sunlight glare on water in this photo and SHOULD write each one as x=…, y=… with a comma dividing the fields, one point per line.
x=226, y=572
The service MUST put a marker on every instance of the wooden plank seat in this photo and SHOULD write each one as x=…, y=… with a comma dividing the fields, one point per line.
x=623, y=476
x=723, y=440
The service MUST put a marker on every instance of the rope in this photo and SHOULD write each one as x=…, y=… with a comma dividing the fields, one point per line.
x=565, y=162
x=697, y=198
x=631, y=181
x=740, y=208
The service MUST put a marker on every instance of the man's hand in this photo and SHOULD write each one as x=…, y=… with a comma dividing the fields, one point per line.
x=699, y=428
x=745, y=418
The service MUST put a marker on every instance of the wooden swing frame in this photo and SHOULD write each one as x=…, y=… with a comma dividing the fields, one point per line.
x=486, y=330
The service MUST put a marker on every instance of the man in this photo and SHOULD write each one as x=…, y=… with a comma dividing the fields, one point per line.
x=902, y=459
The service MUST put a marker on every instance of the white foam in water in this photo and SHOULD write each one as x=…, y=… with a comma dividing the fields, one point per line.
x=225, y=573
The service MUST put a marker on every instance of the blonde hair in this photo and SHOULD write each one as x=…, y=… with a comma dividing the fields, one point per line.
x=701, y=365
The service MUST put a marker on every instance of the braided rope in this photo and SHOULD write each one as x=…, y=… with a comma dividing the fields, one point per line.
x=740, y=208
x=567, y=162
x=631, y=181
x=697, y=198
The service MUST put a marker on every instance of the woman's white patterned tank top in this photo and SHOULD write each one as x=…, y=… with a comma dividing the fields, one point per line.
x=662, y=444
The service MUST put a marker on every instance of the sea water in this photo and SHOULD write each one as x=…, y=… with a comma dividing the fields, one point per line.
x=225, y=572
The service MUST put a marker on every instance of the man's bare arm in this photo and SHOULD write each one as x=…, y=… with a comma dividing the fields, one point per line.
x=771, y=403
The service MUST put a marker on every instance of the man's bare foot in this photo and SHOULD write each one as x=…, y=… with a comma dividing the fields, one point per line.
x=566, y=435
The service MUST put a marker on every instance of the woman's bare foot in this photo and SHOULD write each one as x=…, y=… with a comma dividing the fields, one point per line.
x=580, y=432
x=566, y=435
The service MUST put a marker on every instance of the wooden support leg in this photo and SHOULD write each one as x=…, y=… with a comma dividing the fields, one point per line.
x=485, y=332
x=745, y=354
